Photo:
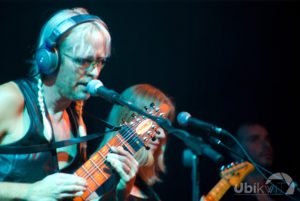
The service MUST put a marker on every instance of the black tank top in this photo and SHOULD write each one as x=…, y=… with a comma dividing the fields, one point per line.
x=34, y=166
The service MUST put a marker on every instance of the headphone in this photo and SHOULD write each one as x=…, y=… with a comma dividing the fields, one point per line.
x=47, y=57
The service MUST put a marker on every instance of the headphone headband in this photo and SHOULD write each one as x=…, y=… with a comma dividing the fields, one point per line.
x=47, y=58
x=66, y=25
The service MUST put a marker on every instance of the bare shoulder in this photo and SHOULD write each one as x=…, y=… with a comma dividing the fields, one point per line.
x=11, y=103
x=10, y=95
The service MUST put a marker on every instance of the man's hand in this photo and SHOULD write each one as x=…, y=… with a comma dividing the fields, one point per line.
x=126, y=166
x=56, y=186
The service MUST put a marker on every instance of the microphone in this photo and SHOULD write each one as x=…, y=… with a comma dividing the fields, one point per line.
x=185, y=119
x=96, y=88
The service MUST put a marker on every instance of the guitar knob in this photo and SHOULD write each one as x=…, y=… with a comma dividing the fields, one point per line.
x=147, y=148
x=133, y=115
x=153, y=138
x=222, y=168
x=146, y=108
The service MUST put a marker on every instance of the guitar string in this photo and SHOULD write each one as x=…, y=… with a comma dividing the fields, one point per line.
x=88, y=174
x=156, y=110
x=126, y=137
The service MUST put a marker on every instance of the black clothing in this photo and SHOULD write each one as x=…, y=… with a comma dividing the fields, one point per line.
x=33, y=166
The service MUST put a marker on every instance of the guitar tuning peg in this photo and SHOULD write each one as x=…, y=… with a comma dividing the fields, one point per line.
x=156, y=130
x=162, y=115
x=222, y=168
x=153, y=138
x=152, y=105
x=124, y=122
x=146, y=108
x=147, y=148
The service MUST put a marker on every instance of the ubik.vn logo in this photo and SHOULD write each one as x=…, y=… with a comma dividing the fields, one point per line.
x=282, y=180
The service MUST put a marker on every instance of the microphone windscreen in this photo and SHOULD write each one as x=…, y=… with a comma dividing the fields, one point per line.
x=183, y=118
x=92, y=87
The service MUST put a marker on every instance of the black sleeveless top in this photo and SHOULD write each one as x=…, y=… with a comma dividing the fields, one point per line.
x=33, y=166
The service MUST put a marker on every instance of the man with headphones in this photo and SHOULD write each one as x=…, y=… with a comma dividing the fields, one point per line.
x=38, y=110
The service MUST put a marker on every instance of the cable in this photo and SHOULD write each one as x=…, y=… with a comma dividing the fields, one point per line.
x=254, y=164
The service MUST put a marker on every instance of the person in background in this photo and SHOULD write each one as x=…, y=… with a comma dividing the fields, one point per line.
x=151, y=162
x=256, y=140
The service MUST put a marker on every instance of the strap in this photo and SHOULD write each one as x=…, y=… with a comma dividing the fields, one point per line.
x=101, y=121
x=48, y=147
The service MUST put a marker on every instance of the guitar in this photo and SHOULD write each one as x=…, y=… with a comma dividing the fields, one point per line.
x=132, y=137
x=233, y=175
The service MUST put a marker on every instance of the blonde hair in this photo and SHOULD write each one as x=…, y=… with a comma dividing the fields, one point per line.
x=96, y=30
x=143, y=95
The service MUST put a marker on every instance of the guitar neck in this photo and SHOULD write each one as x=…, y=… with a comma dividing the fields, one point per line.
x=218, y=190
x=96, y=171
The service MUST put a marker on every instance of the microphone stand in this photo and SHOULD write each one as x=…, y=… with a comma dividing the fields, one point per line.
x=196, y=144
x=190, y=159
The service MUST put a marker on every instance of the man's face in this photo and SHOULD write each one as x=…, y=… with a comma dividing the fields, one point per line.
x=256, y=140
x=75, y=72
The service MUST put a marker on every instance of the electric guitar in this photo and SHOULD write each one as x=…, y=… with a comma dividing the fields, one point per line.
x=232, y=175
x=132, y=137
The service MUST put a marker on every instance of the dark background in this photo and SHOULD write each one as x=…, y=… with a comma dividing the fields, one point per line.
x=226, y=62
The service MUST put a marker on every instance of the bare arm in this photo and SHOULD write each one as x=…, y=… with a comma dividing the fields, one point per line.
x=52, y=187
x=11, y=108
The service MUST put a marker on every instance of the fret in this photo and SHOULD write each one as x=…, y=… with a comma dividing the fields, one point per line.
x=90, y=176
x=134, y=141
x=218, y=190
x=128, y=138
x=120, y=139
x=128, y=148
x=99, y=169
x=99, y=152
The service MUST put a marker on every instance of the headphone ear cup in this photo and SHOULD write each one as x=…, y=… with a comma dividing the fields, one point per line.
x=47, y=60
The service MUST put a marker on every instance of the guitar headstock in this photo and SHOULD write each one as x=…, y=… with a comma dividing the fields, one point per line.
x=236, y=172
x=145, y=128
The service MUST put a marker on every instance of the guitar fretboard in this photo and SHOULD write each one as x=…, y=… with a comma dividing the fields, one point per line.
x=96, y=171
x=218, y=190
